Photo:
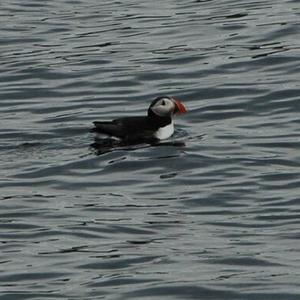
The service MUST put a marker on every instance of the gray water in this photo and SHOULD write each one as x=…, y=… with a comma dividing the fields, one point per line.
x=213, y=213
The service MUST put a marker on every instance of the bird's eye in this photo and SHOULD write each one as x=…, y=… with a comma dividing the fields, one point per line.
x=163, y=103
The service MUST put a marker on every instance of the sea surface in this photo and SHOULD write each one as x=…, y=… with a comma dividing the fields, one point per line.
x=212, y=213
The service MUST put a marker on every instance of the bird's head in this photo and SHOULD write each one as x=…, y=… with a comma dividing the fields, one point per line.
x=166, y=107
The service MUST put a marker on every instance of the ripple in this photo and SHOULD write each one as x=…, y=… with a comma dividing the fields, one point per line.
x=210, y=213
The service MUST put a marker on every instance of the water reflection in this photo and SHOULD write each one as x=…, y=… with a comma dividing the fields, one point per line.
x=105, y=145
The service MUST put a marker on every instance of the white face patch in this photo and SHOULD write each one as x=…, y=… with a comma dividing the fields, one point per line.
x=164, y=107
x=165, y=132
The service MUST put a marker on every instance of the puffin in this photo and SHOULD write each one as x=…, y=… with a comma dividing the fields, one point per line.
x=155, y=126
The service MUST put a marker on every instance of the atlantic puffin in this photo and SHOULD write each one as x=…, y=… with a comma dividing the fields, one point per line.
x=156, y=125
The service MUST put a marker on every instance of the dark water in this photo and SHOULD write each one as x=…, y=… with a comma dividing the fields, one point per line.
x=212, y=214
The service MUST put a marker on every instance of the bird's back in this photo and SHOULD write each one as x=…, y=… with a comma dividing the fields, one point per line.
x=128, y=127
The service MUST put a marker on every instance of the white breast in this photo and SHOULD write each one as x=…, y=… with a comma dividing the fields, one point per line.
x=165, y=132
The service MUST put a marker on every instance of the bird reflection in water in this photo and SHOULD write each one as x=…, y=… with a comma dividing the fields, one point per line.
x=105, y=145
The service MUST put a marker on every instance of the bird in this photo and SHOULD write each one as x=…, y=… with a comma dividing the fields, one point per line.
x=155, y=126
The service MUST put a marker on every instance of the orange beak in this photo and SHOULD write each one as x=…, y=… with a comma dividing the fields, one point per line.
x=179, y=106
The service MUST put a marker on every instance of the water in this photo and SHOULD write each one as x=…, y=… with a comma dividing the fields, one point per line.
x=211, y=214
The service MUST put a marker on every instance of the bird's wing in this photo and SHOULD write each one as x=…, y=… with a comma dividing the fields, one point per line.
x=113, y=128
x=126, y=128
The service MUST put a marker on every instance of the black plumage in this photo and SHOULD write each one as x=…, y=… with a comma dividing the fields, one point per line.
x=132, y=128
